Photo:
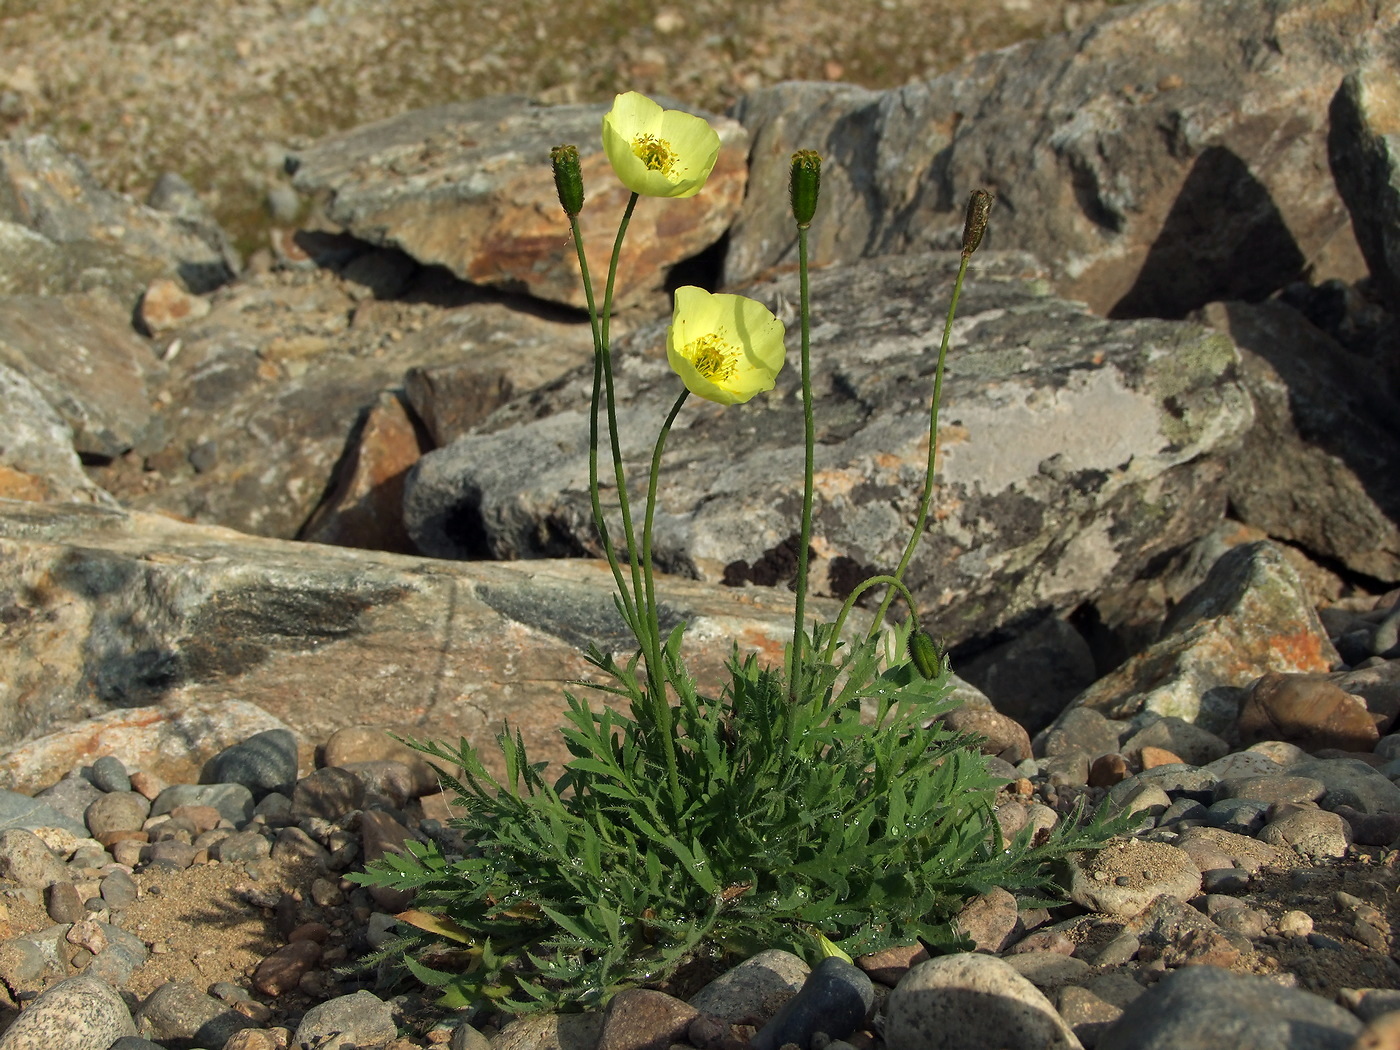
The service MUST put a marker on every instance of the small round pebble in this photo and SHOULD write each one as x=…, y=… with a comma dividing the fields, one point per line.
x=108, y=773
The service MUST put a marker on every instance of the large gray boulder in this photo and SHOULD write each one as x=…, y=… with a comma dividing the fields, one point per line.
x=105, y=609
x=1318, y=468
x=1073, y=450
x=1165, y=155
x=37, y=460
x=81, y=353
x=469, y=186
x=267, y=392
x=1364, y=149
x=1249, y=616
x=61, y=232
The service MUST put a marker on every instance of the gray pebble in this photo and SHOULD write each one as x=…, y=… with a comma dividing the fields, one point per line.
x=465, y=1037
x=233, y=801
x=79, y=1013
x=1312, y=832
x=971, y=1002
x=22, y=962
x=109, y=774
x=1282, y=788
x=1187, y=741
x=26, y=860
x=1351, y=782
x=124, y=955
x=1385, y=641
x=1208, y=1008
x=293, y=844
x=241, y=846
x=329, y=793
x=1244, y=921
x=64, y=903
x=119, y=889
x=1242, y=816
x=177, y=1014
x=361, y=1019
x=835, y=999
x=265, y=762
x=741, y=995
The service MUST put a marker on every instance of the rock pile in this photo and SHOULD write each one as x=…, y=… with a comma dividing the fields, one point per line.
x=1166, y=550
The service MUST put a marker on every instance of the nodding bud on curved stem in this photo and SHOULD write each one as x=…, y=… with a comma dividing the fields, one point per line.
x=979, y=205
x=925, y=654
x=805, y=184
x=568, y=179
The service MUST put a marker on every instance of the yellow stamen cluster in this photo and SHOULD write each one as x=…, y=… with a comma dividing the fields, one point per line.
x=655, y=153
x=712, y=357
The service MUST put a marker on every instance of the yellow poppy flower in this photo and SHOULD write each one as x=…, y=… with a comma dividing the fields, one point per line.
x=725, y=348
x=658, y=152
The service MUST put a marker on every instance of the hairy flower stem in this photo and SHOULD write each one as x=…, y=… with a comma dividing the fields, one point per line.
x=927, y=496
x=894, y=584
x=795, y=674
x=599, y=522
x=663, y=706
x=649, y=642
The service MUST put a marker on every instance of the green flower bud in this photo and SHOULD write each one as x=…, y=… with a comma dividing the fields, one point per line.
x=804, y=185
x=975, y=224
x=568, y=179
x=925, y=655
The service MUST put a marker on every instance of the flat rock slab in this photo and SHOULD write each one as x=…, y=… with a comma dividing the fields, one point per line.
x=469, y=186
x=1152, y=180
x=1073, y=449
x=106, y=609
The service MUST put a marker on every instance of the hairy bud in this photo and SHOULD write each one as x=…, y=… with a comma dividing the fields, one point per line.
x=805, y=184
x=979, y=205
x=568, y=179
x=925, y=655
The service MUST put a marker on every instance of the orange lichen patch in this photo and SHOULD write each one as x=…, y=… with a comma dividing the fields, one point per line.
x=947, y=510
x=834, y=483
x=16, y=484
x=1302, y=650
x=953, y=434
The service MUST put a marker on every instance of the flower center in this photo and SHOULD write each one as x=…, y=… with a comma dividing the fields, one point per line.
x=712, y=357
x=655, y=153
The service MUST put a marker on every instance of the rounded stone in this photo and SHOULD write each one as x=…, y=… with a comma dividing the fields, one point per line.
x=266, y=761
x=1123, y=878
x=1312, y=832
x=79, y=1013
x=329, y=793
x=108, y=773
x=361, y=1019
x=971, y=1002
x=744, y=994
x=1210, y=1008
x=26, y=860
x=116, y=811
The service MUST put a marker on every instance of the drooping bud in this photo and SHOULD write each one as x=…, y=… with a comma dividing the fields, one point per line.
x=568, y=179
x=805, y=184
x=979, y=205
x=925, y=655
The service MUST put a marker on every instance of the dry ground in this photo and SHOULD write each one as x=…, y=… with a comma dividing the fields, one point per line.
x=218, y=90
